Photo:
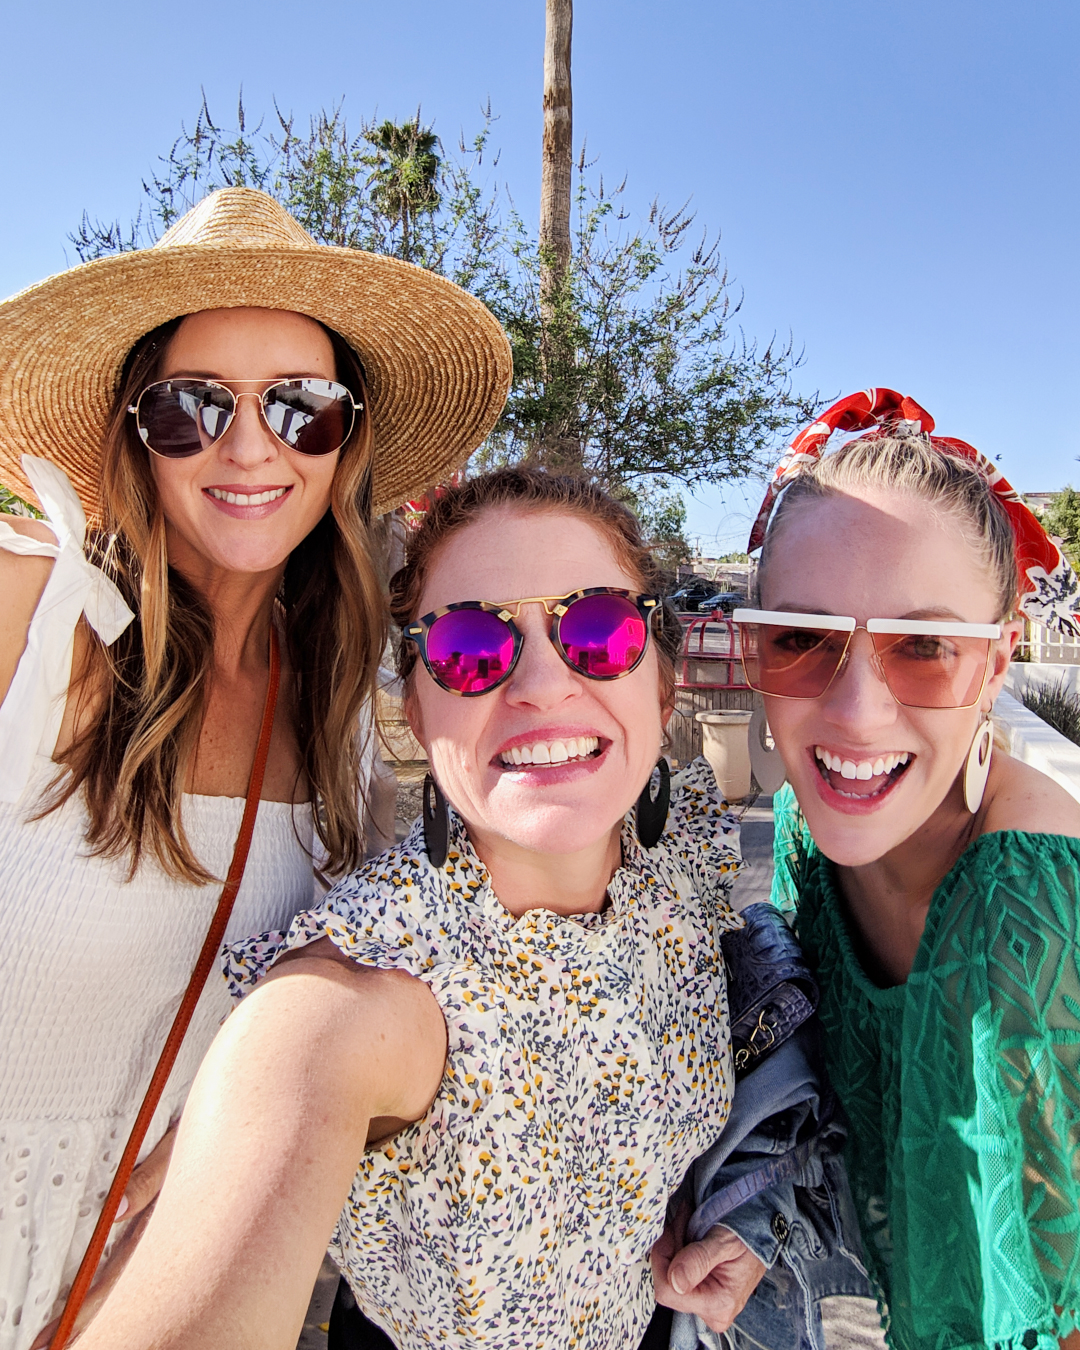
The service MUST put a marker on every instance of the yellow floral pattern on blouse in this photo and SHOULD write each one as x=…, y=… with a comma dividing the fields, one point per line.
x=589, y=1063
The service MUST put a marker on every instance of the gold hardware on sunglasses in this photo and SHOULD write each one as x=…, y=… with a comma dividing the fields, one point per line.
x=249, y=393
x=133, y=408
x=508, y=610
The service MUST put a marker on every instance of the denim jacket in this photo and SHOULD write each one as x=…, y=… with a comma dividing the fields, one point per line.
x=775, y=1176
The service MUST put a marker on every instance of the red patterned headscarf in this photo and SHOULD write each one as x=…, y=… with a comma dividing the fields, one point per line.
x=1046, y=584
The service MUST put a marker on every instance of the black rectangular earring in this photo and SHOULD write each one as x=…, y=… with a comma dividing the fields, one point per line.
x=436, y=822
x=650, y=814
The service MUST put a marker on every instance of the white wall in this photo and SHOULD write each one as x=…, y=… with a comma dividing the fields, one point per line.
x=1023, y=673
x=1035, y=742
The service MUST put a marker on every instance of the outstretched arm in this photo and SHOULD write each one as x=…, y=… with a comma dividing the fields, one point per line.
x=319, y=1055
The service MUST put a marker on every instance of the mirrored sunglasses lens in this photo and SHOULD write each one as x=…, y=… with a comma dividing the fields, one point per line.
x=181, y=417
x=603, y=635
x=312, y=416
x=924, y=670
x=792, y=662
x=469, y=650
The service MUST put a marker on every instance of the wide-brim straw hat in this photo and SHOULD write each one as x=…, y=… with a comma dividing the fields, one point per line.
x=438, y=364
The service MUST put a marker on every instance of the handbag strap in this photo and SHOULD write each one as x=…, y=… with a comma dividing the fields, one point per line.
x=207, y=956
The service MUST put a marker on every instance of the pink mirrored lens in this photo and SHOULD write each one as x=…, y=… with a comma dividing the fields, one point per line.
x=469, y=650
x=602, y=635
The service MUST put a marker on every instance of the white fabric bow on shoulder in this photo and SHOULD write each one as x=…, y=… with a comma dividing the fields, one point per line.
x=33, y=710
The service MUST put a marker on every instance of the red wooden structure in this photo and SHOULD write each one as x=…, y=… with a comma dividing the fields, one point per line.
x=711, y=656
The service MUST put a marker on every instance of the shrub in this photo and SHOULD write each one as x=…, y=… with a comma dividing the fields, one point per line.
x=1056, y=704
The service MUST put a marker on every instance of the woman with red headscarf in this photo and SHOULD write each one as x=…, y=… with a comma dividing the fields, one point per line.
x=935, y=881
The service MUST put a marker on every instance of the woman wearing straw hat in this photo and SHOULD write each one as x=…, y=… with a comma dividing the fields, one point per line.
x=228, y=408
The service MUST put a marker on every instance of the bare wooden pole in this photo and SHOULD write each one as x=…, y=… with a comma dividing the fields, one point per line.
x=558, y=149
x=558, y=445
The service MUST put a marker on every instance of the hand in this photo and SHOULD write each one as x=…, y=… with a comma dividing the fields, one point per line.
x=147, y=1179
x=712, y=1278
x=136, y=1206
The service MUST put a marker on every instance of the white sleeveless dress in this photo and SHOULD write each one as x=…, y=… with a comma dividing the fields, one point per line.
x=93, y=967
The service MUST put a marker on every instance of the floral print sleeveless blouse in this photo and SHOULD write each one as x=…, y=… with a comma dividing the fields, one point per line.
x=589, y=1063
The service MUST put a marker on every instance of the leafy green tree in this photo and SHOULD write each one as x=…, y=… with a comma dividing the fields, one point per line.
x=628, y=366
x=663, y=523
x=1062, y=519
x=387, y=188
x=15, y=506
x=644, y=378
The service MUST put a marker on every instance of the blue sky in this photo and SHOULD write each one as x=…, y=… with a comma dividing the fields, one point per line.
x=896, y=183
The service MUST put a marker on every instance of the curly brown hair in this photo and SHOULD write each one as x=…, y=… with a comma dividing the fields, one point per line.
x=529, y=490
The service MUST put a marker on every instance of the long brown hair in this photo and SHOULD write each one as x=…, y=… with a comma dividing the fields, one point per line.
x=531, y=490
x=135, y=753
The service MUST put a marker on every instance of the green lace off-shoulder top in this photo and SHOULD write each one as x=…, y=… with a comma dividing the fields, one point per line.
x=962, y=1088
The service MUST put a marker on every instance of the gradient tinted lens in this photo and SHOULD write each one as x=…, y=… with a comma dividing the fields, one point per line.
x=924, y=670
x=791, y=662
x=312, y=416
x=469, y=650
x=177, y=418
x=603, y=636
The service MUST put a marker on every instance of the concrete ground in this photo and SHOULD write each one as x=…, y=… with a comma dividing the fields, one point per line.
x=313, y=1336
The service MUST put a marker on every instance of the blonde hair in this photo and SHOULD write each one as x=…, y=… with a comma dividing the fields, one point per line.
x=910, y=463
x=134, y=756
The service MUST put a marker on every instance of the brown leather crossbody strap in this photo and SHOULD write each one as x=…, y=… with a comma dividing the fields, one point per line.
x=210, y=948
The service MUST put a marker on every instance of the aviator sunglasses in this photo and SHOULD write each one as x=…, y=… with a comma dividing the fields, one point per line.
x=924, y=663
x=177, y=418
x=471, y=647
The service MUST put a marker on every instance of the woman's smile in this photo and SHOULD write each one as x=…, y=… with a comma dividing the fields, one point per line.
x=214, y=503
x=556, y=759
x=854, y=750
x=859, y=781
x=549, y=747
x=248, y=501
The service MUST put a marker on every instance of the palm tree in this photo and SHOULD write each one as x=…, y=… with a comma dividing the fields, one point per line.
x=558, y=147
x=559, y=443
x=404, y=182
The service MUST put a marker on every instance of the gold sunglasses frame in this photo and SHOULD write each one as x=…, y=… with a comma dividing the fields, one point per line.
x=508, y=610
x=133, y=409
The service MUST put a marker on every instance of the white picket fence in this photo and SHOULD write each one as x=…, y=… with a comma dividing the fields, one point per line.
x=1041, y=644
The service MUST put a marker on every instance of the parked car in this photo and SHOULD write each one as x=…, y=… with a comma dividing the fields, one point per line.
x=724, y=601
x=688, y=598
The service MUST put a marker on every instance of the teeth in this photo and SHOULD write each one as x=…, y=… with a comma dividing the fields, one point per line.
x=862, y=769
x=248, y=498
x=552, y=752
